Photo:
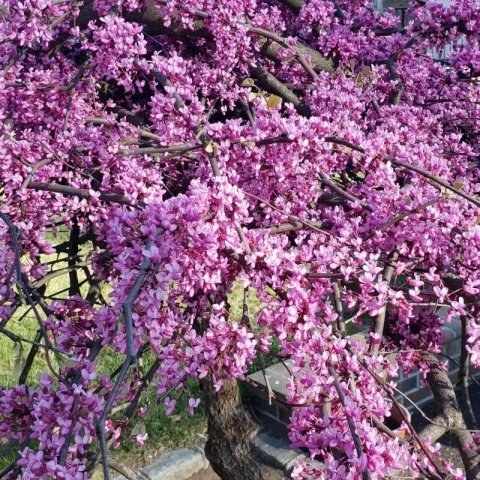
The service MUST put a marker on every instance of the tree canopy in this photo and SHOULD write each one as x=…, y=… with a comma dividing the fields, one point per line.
x=317, y=153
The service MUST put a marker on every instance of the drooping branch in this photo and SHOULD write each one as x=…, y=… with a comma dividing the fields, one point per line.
x=30, y=358
x=29, y=293
x=440, y=472
x=145, y=382
x=424, y=173
x=401, y=216
x=73, y=249
x=131, y=352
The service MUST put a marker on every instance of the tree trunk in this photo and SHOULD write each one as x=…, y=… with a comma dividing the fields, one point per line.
x=463, y=378
x=230, y=429
x=451, y=418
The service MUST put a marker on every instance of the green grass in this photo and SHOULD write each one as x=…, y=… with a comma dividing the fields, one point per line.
x=25, y=324
x=164, y=432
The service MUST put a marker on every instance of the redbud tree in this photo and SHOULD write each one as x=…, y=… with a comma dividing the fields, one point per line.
x=316, y=154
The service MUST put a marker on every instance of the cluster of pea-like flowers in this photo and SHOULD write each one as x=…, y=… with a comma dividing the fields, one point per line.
x=7, y=275
x=51, y=416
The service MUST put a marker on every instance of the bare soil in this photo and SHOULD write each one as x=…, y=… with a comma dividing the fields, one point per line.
x=269, y=473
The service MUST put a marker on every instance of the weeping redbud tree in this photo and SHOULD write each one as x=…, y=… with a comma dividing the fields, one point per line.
x=316, y=154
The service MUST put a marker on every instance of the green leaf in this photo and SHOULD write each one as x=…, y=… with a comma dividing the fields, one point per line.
x=139, y=429
x=18, y=361
x=273, y=101
x=66, y=362
x=248, y=82
x=210, y=147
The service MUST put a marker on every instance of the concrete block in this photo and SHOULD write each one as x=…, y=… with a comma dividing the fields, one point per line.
x=275, y=451
x=178, y=464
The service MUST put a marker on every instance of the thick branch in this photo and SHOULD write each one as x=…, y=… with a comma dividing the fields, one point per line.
x=272, y=43
x=272, y=84
x=380, y=320
x=436, y=430
x=396, y=95
x=79, y=192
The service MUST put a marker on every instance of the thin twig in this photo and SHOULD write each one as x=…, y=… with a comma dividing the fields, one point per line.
x=336, y=188
x=17, y=338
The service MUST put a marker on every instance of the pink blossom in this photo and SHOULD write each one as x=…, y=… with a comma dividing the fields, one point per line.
x=192, y=405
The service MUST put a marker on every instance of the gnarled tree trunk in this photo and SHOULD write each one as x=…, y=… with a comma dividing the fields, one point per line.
x=450, y=419
x=230, y=429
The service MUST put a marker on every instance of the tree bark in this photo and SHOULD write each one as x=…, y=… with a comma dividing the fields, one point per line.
x=230, y=429
x=452, y=418
x=463, y=378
